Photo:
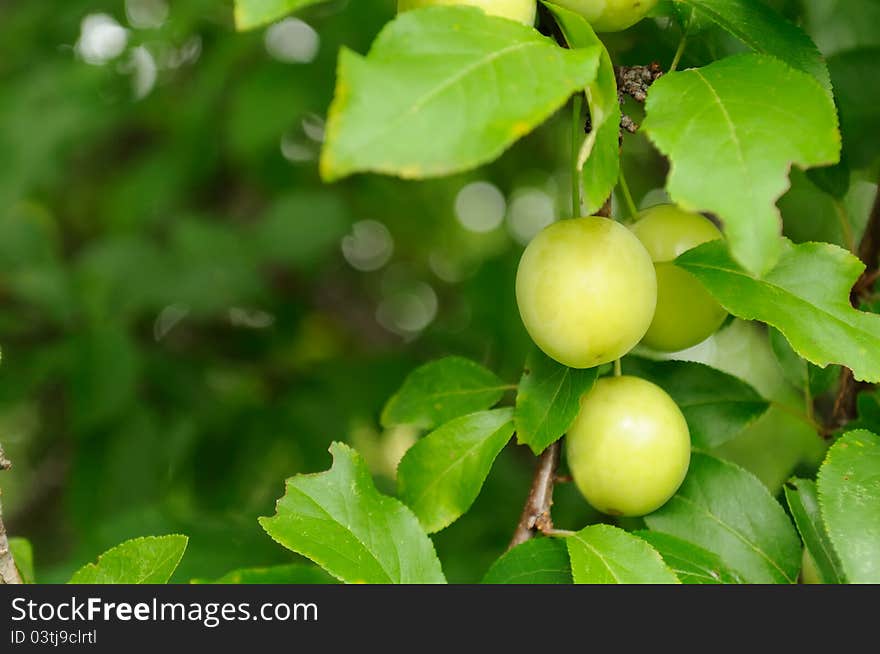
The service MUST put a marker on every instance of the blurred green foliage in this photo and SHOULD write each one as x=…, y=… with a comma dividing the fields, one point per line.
x=189, y=316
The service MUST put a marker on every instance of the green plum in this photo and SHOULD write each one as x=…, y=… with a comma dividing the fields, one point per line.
x=686, y=313
x=609, y=15
x=586, y=291
x=518, y=10
x=629, y=448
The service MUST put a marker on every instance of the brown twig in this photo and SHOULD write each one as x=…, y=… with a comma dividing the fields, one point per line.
x=8, y=571
x=536, y=511
x=845, y=404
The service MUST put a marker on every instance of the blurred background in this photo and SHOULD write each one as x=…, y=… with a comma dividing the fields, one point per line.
x=188, y=315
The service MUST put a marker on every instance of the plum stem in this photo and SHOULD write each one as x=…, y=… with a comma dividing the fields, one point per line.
x=576, y=137
x=627, y=196
x=679, y=51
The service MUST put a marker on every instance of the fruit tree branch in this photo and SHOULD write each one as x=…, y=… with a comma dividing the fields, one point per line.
x=869, y=252
x=536, y=511
x=8, y=572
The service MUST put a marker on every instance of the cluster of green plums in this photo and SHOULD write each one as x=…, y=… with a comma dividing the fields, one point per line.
x=603, y=15
x=589, y=290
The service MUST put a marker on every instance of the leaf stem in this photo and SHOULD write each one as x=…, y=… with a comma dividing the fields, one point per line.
x=576, y=132
x=627, y=196
x=618, y=368
x=558, y=533
x=680, y=50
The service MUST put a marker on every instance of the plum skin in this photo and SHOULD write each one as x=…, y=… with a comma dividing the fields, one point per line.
x=586, y=291
x=629, y=447
x=610, y=15
x=686, y=312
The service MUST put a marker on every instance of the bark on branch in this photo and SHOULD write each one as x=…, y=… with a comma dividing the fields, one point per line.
x=8, y=572
x=536, y=511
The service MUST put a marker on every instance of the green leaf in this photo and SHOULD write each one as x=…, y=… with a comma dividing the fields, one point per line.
x=441, y=475
x=726, y=510
x=446, y=89
x=599, y=156
x=341, y=522
x=253, y=13
x=803, y=502
x=536, y=561
x=548, y=399
x=849, y=494
x=800, y=373
x=149, y=560
x=691, y=563
x=859, y=104
x=442, y=390
x=732, y=130
x=806, y=297
x=766, y=32
x=293, y=573
x=602, y=554
x=717, y=406
x=23, y=555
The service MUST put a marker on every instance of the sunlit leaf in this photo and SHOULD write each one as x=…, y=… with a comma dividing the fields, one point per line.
x=602, y=554
x=849, y=494
x=442, y=474
x=732, y=130
x=341, y=522
x=806, y=297
x=150, y=560
x=442, y=390
x=536, y=561
x=253, y=13
x=445, y=89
